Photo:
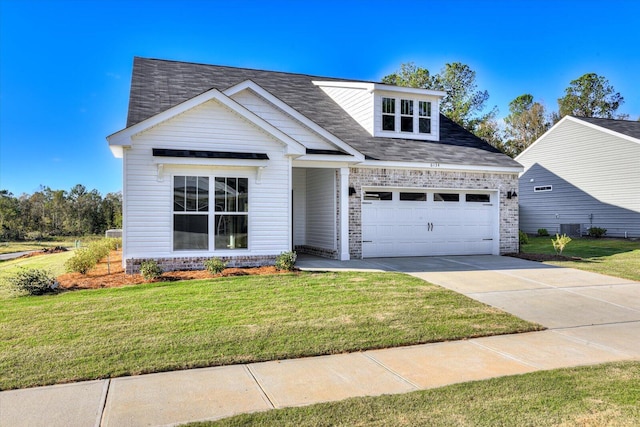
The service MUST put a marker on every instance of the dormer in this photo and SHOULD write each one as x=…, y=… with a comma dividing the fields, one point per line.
x=389, y=111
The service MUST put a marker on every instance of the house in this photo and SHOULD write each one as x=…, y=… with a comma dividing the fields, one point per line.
x=582, y=173
x=337, y=168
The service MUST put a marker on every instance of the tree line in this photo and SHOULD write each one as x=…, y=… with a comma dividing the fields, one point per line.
x=48, y=212
x=590, y=95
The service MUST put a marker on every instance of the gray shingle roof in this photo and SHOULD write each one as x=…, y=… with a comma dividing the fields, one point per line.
x=158, y=85
x=625, y=127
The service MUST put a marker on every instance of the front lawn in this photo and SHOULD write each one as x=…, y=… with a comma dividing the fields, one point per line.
x=104, y=333
x=615, y=257
x=586, y=396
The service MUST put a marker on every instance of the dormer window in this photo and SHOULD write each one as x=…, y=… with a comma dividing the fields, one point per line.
x=408, y=119
x=406, y=115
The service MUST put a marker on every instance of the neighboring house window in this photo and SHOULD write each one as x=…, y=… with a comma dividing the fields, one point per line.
x=543, y=188
x=190, y=213
x=388, y=114
x=410, y=119
x=406, y=115
x=231, y=213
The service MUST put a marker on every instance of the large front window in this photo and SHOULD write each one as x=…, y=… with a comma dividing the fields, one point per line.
x=231, y=213
x=192, y=218
x=190, y=213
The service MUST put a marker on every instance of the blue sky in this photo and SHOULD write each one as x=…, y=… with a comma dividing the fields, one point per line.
x=65, y=66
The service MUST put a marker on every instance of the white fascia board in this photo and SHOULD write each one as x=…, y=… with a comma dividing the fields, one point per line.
x=184, y=161
x=123, y=137
x=439, y=166
x=117, y=151
x=319, y=164
x=249, y=84
x=380, y=86
x=329, y=158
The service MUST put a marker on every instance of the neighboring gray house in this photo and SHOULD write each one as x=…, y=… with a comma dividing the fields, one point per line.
x=582, y=173
x=245, y=164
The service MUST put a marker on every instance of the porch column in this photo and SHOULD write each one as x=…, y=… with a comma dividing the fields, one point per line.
x=344, y=214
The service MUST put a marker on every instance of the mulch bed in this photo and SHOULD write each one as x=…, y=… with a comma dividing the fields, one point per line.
x=111, y=274
x=544, y=257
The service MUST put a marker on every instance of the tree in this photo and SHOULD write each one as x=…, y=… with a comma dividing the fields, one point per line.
x=525, y=123
x=411, y=75
x=462, y=103
x=590, y=96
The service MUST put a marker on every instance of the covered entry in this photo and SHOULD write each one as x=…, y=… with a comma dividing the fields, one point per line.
x=415, y=222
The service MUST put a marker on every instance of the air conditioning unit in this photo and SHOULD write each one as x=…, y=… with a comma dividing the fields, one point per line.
x=571, y=230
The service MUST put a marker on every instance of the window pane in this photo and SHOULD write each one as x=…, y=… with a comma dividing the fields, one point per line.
x=414, y=197
x=425, y=125
x=388, y=122
x=389, y=105
x=231, y=194
x=377, y=195
x=221, y=203
x=203, y=194
x=190, y=232
x=478, y=198
x=424, y=109
x=192, y=193
x=178, y=193
x=446, y=197
x=243, y=195
x=406, y=107
x=231, y=232
x=406, y=124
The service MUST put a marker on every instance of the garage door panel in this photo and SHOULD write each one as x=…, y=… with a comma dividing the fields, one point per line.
x=422, y=228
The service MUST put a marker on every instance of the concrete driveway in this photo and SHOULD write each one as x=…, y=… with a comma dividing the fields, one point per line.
x=600, y=309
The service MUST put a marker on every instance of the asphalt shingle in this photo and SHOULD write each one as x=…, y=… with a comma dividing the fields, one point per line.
x=624, y=127
x=158, y=85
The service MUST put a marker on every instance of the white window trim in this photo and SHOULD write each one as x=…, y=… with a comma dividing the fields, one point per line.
x=398, y=133
x=212, y=215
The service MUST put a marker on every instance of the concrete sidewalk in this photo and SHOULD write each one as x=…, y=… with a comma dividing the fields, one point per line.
x=593, y=319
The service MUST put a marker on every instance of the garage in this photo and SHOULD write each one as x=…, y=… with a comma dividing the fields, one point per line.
x=412, y=222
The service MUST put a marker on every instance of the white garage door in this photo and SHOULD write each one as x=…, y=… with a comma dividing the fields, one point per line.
x=410, y=223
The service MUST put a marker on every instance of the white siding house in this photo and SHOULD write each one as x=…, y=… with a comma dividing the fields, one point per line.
x=246, y=164
x=583, y=173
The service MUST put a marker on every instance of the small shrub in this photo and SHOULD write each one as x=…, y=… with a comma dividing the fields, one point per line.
x=542, y=232
x=150, y=269
x=215, y=265
x=597, y=232
x=114, y=243
x=286, y=261
x=34, y=281
x=560, y=242
x=523, y=237
x=82, y=261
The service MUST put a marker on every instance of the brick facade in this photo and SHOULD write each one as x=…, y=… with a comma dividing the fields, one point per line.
x=132, y=265
x=434, y=179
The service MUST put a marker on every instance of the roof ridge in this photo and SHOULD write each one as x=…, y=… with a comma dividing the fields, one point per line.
x=312, y=76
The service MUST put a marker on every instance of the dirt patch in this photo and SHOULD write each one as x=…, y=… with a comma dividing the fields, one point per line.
x=544, y=257
x=111, y=274
x=45, y=251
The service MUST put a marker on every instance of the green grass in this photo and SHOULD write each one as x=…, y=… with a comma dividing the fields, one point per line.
x=53, y=263
x=166, y=326
x=585, y=396
x=614, y=257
